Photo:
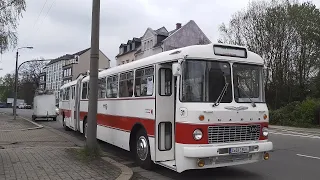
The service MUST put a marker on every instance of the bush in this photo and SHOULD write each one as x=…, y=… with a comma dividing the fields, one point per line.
x=299, y=114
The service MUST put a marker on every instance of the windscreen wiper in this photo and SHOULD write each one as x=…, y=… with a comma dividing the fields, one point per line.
x=244, y=92
x=224, y=90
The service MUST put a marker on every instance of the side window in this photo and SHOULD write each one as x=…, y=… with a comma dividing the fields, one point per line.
x=165, y=82
x=144, y=82
x=72, y=92
x=84, y=90
x=67, y=93
x=126, y=84
x=102, y=87
x=112, y=86
x=61, y=95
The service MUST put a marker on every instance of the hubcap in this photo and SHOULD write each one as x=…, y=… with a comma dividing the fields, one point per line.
x=142, y=148
x=85, y=130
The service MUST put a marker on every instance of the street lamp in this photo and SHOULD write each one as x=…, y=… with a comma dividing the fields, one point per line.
x=16, y=82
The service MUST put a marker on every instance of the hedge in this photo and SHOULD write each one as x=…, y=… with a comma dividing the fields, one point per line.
x=298, y=114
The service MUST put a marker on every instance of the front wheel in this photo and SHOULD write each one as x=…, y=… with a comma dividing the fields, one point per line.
x=142, y=150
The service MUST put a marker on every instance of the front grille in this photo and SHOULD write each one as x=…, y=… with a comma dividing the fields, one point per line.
x=239, y=133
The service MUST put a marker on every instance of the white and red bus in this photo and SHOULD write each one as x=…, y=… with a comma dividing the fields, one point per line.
x=196, y=107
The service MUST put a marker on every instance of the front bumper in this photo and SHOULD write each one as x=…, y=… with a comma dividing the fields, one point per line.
x=214, y=155
x=210, y=150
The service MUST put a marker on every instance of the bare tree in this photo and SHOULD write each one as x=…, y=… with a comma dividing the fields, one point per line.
x=286, y=34
x=29, y=74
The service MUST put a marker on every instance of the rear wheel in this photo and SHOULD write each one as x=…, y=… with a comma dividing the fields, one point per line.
x=85, y=129
x=142, y=150
x=64, y=124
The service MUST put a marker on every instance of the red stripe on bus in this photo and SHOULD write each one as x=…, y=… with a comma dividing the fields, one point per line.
x=122, y=122
x=119, y=99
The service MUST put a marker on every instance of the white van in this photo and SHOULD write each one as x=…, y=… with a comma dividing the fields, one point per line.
x=44, y=105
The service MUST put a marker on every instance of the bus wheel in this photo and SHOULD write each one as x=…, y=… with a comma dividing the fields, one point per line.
x=85, y=129
x=65, y=127
x=142, y=149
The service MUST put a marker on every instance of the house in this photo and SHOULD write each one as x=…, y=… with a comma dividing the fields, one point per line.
x=160, y=40
x=66, y=68
x=127, y=51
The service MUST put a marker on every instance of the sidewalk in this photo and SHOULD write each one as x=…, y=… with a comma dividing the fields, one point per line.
x=30, y=151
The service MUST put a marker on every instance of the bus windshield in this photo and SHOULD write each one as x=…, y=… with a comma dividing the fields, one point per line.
x=248, y=83
x=204, y=81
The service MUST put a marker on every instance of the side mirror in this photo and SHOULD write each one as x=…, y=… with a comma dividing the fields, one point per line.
x=176, y=69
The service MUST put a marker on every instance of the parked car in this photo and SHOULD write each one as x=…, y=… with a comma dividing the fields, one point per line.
x=28, y=106
x=22, y=105
x=3, y=105
x=57, y=111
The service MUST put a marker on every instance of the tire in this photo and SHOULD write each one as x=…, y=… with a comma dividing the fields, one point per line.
x=64, y=125
x=142, y=150
x=85, y=129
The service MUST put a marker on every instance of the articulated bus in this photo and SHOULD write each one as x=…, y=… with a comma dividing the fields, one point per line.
x=196, y=107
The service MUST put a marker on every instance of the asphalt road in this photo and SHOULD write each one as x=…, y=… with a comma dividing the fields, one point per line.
x=295, y=157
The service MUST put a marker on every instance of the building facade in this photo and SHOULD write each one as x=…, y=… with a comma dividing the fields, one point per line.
x=66, y=68
x=156, y=41
x=127, y=51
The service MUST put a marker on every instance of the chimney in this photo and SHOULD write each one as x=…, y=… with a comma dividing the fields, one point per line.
x=178, y=25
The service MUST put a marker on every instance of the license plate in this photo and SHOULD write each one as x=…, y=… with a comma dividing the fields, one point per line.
x=239, y=150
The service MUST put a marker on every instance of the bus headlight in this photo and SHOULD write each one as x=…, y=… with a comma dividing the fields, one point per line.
x=265, y=131
x=197, y=134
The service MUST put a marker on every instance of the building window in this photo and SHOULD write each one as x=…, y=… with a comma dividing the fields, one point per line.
x=126, y=84
x=112, y=86
x=127, y=60
x=102, y=87
x=122, y=62
x=144, y=82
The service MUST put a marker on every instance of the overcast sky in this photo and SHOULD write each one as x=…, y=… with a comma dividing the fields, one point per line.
x=64, y=26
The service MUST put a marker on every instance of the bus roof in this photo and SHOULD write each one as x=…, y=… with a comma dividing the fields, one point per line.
x=69, y=84
x=192, y=52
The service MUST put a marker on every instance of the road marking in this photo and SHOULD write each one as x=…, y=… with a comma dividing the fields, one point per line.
x=312, y=157
x=297, y=135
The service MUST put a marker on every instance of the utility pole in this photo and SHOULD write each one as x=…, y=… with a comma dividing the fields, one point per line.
x=15, y=88
x=93, y=83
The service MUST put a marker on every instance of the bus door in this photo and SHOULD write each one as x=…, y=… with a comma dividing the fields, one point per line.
x=77, y=105
x=72, y=108
x=165, y=123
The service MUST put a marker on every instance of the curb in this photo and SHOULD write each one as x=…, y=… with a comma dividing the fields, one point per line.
x=287, y=128
x=34, y=123
x=126, y=172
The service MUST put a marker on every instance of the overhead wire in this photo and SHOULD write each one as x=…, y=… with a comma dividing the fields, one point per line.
x=34, y=29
